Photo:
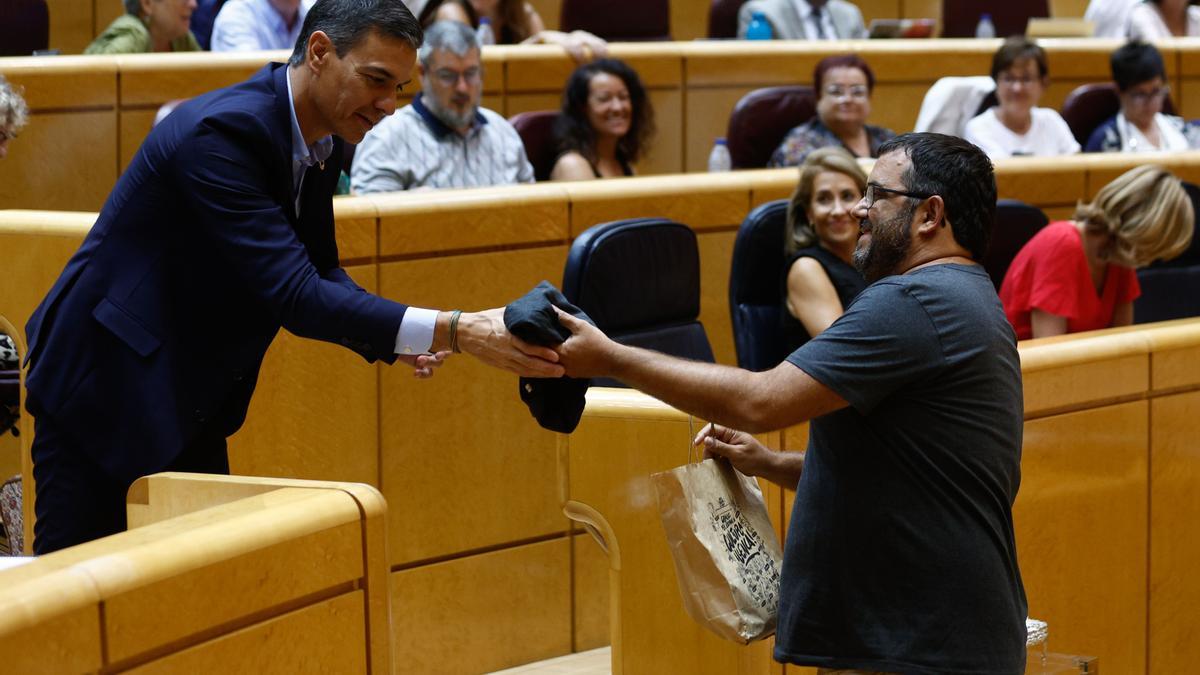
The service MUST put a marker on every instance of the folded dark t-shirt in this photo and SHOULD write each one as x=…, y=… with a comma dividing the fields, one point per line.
x=556, y=403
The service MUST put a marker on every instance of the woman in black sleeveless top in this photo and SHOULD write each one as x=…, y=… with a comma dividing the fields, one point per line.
x=605, y=124
x=819, y=279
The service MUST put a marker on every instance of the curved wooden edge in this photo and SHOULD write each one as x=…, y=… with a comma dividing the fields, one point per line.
x=53, y=223
x=597, y=526
x=629, y=403
x=44, y=598
x=1084, y=348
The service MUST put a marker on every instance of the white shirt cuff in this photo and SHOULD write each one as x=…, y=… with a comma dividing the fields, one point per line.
x=416, y=331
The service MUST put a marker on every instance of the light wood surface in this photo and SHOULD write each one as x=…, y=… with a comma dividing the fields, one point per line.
x=222, y=573
x=90, y=114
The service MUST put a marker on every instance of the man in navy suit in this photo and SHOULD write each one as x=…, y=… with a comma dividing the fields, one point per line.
x=144, y=354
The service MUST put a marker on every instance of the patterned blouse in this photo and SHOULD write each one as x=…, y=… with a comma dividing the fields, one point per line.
x=812, y=135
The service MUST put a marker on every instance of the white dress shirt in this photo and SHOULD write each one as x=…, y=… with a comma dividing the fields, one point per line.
x=1146, y=23
x=250, y=25
x=809, y=18
x=416, y=328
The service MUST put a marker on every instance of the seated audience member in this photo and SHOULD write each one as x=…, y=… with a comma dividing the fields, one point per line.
x=1110, y=17
x=1151, y=20
x=606, y=122
x=1141, y=126
x=1079, y=275
x=443, y=139
x=13, y=115
x=514, y=22
x=806, y=19
x=1017, y=126
x=819, y=275
x=844, y=84
x=249, y=25
x=148, y=26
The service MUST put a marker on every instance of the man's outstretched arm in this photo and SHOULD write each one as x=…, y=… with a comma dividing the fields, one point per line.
x=753, y=402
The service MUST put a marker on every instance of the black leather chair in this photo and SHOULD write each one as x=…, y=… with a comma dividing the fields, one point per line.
x=536, y=130
x=1016, y=223
x=1171, y=288
x=1090, y=105
x=723, y=18
x=639, y=280
x=619, y=20
x=1010, y=17
x=24, y=27
x=756, y=287
x=762, y=118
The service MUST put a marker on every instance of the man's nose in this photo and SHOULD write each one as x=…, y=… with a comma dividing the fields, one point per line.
x=387, y=104
x=860, y=208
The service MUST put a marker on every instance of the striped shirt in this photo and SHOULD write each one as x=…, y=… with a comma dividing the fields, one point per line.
x=414, y=149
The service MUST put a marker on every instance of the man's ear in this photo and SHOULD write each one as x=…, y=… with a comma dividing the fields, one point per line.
x=319, y=50
x=932, y=216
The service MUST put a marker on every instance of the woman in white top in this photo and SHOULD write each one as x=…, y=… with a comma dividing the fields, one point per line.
x=1141, y=126
x=1159, y=19
x=1017, y=127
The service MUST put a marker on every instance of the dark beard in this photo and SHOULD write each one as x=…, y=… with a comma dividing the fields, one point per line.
x=890, y=242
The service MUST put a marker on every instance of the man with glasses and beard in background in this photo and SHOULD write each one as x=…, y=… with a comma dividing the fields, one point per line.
x=900, y=556
x=443, y=139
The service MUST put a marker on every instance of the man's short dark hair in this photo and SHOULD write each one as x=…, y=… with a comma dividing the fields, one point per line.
x=1015, y=49
x=958, y=172
x=1134, y=63
x=348, y=22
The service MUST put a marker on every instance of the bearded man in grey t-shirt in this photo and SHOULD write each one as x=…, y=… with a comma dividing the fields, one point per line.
x=900, y=556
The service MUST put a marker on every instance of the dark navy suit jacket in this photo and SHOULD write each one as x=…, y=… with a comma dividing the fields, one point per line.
x=154, y=333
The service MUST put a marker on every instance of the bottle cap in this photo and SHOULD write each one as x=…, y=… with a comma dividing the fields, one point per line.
x=720, y=140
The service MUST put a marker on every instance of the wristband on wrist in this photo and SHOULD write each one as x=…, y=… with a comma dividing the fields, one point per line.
x=454, y=330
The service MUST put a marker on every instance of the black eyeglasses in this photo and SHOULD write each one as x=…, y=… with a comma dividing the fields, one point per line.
x=873, y=188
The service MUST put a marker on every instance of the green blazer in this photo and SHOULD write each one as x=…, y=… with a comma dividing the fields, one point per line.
x=129, y=35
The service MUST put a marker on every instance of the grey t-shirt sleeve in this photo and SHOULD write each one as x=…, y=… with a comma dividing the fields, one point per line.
x=884, y=342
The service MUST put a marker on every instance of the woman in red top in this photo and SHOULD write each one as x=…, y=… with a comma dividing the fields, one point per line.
x=1079, y=274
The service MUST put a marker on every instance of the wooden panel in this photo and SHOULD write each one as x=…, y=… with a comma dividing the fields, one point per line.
x=665, y=151
x=57, y=164
x=716, y=258
x=1080, y=522
x=879, y=9
x=465, y=431
x=326, y=637
x=357, y=223
x=71, y=25
x=186, y=602
x=150, y=80
x=484, y=612
x=1174, y=627
x=315, y=411
x=591, y=585
x=77, y=82
x=1084, y=370
x=623, y=438
x=446, y=220
x=46, y=241
x=135, y=126
x=50, y=624
x=1175, y=355
x=701, y=202
x=1039, y=182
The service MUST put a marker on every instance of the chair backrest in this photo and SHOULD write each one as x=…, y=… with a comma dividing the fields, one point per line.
x=639, y=280
x=1090, y=105
x=619, y=20
x=1010, y=17
x=536, y=130
x=723, y=18
x=762, y=118
x=756, y=289
x=1016, y=223
x=24, y=27
x=1167, y=293
x=989, y=100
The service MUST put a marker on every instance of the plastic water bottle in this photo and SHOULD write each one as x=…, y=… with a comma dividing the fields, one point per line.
x=759, y=28
x=484, y=33
x=719, y=159
x=985, y=28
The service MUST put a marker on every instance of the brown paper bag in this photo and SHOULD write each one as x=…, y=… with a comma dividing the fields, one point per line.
x=727, y=557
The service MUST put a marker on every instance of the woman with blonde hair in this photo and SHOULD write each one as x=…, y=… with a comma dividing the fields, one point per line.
x=1079, y=275
x=819, y=279
x=13, y=115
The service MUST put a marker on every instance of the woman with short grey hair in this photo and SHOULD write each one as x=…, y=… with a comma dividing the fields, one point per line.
x=149, y=26
x=13, y=114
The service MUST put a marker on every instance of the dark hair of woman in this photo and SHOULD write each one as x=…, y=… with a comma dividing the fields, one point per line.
x=572, y=130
